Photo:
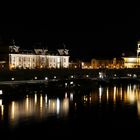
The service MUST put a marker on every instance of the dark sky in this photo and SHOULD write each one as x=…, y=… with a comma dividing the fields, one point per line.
x=87, y=33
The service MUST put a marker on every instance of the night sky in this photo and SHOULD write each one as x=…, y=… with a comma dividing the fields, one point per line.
x=87, y=33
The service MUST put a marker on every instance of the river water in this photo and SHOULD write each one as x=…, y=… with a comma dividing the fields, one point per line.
x=72, y=112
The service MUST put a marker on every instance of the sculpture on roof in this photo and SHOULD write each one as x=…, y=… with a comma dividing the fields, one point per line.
x=14, y=48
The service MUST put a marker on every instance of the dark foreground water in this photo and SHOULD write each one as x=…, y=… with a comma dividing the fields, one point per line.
x=100, y=111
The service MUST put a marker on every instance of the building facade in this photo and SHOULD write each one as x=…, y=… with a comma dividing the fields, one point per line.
x=133, y=62
x=107, y=63
x=130, y=62
x=37, y=58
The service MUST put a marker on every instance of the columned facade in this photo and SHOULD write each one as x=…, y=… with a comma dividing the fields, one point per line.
x=37, y=59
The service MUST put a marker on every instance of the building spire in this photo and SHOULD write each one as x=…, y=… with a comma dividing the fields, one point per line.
x=13, y=41
x=64, y=46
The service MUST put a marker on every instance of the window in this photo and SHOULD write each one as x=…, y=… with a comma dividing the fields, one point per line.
x=58, y=60
x=13, y=59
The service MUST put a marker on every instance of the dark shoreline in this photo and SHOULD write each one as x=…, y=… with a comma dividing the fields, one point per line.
x=64, y=79
x=41, y=74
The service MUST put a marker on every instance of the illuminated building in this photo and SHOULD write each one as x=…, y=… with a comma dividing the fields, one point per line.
x=86, y=65
x=133, y=62
x=107, y=63
x=37, y=58
x=130, y=62
x=75, y=64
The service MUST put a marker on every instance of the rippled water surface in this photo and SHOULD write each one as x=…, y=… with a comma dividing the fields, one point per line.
x=99, y=108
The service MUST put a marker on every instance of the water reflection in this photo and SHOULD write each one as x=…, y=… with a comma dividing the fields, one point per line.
x=100, y=93
x=128, y=95
x=37, y=107
x=1, y=109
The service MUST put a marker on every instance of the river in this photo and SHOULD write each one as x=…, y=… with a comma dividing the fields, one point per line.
x=68, y=112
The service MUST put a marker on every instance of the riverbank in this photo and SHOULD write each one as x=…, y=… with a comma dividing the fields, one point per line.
x=65, y=79
x=42, y=74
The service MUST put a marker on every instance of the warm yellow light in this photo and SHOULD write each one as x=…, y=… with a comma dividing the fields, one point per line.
x=107, y=96
x=13, y=110
x=46, y=99
x=11, y=66
x=2, y=108
x=114, y=96
x=100, y=93
x=65, y=105
x=27, y=104
x=35, y=99
x=0, y=102
x=138, y=108
x=41, y=101
x=57, y=106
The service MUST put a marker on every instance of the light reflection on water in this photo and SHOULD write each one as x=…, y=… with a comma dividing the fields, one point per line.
x=35, y=106
x=40, y=106
x=128, y=95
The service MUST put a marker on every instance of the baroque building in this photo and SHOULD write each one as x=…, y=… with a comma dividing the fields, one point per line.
x=37, y=58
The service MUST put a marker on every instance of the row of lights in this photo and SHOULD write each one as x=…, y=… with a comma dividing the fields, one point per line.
x=46, y=78
x=129, y=75
x=101, y=75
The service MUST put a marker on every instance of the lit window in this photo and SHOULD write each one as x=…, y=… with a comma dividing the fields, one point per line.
x=58, y=60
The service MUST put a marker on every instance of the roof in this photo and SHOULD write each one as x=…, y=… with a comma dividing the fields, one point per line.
x=63, y=51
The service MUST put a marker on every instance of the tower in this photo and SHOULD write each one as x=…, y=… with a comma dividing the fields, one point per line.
x=138, y=54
